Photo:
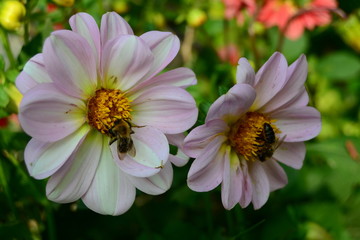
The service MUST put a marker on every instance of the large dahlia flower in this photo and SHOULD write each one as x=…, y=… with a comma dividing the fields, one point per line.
x=98, y=112
x=262, y=120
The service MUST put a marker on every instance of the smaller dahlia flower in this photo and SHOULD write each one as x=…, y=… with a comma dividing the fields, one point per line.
x=293, y=19
x=101, y=116
x=236, y=8
x=261, y=121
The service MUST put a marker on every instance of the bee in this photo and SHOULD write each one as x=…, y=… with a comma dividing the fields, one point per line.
x=270, y=143
x=121, y=132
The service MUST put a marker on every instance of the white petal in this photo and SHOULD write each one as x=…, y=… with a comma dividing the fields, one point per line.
x=73, y=179
x=110, y=192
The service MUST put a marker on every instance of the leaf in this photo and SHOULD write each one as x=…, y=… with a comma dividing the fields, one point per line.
x=4, y=98
x=339, y=66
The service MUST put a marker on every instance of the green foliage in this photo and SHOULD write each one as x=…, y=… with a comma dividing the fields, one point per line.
x=321, y=200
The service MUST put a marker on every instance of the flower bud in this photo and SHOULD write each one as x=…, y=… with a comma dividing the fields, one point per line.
x=11, y=14
x=64, y=3
x=196, y=17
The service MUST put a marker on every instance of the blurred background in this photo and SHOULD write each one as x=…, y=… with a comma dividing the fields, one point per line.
x=321, y=201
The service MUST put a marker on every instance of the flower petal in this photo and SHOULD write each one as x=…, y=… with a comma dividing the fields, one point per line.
x=125, y=61
x=170, y=109
x=206, y=172
x=300, y=100
x=247, y=188
x=113, y=25
x=43, y=158
x=179, y=77
x=230, y=106
x=152, y=152
x=296, y=76
x=245, y=73
x=156, y=184
x=48, y=115
x=180, y=159
x=34, y=72
x=164, y=46
x=201, y=136
x=260, y=183
x=276, y=174
x=270, y=79
x=231, y=187
x=291, y=154
x=110, y=192
x=85, y=25
x=298, y=124
x=70, y=63
x=73, y=179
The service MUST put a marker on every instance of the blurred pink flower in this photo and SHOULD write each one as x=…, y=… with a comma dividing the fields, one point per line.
x=75, y=92
x=229, y=53
x=293, y=19
x=235, y=8
x=262, y=120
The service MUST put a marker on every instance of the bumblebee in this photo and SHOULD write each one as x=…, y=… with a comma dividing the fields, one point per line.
x=269, y=143
x=121, y=132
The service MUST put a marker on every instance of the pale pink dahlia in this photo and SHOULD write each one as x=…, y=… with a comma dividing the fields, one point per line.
x=261, y=121
x=85, y=90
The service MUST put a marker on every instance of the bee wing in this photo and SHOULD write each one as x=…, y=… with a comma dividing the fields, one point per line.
x=132, y=150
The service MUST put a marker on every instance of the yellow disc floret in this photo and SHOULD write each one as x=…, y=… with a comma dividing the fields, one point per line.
x=248, y=137
x=107, y=106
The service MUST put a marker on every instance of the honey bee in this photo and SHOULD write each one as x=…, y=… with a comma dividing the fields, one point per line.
x=121, y=132
x=270, y=143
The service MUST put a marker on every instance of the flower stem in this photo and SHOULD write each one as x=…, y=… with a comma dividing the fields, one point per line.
x=6, y=43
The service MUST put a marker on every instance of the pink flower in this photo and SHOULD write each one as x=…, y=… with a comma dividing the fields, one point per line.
x=229, y=53
x=261, y=121
x=292, y=19
x=234, y=9
x=88, y=87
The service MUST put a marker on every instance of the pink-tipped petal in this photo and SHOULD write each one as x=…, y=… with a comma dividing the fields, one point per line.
x=152, y=152
x=34, y=72
x=298, y=124
x=43, y=159
x=247, y=187
x=260, y=183
x=201, y=136
x=164, y=46
x=73, y=179
x=110, y=192
x=179, y=77
x=70, y=63
x=276, y=174
x=270, y=79
x=113, y=25
x=85, y=25
x=156, y=184
x=296, y=76
x=170, y=109
x=206, y=172
x=125, y=60
x=245, y=73
x=230, y=106
x=180, y=159
x=231, y=187
x=49, y=115
x=291, y=154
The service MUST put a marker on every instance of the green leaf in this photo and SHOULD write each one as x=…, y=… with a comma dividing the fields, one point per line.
x=339, y=66
x=4, y=97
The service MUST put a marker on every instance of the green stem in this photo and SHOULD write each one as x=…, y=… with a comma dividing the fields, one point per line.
x=50, y=222
x=3, y=182
x=209, y=219
x=6, y=43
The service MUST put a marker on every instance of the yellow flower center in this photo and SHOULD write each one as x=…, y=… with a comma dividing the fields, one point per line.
x=253, y=136
x=106, y=107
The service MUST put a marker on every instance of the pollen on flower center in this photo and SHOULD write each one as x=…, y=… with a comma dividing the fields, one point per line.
x=253, y=136
x=107, y=106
